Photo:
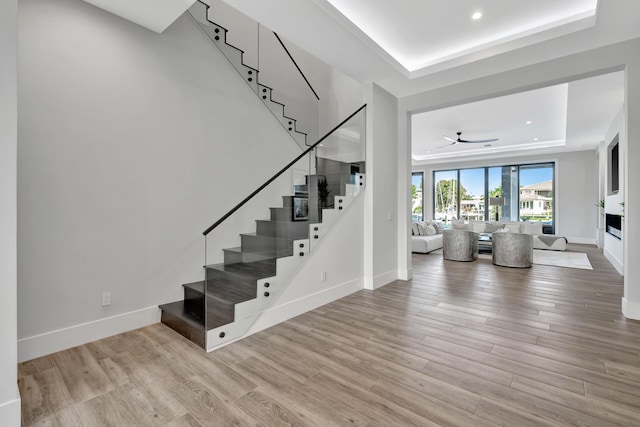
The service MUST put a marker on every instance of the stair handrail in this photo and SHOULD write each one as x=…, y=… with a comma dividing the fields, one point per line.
x=280, y=172
x=296, y=65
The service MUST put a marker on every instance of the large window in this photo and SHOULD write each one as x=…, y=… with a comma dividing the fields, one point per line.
x=510, y=193
x=417, y=204
x=445, y=195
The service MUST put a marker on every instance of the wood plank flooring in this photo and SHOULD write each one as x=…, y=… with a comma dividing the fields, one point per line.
x=460, y=344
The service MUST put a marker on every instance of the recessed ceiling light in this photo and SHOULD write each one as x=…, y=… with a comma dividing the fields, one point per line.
x=535, y=139
x=528, y=122
x=476, y=16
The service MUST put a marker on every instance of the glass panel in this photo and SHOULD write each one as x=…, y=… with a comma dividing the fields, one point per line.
x=251, y=254
x=536, y=195
x=417, y=187
x=339, y=161
x=266, y=64
x=472, y=194
x=445, y=195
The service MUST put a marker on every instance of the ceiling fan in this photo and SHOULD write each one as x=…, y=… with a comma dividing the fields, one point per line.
x=456, y=141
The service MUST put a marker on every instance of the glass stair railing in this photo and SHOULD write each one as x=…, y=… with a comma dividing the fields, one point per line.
x=264, y=62
x=253, y=251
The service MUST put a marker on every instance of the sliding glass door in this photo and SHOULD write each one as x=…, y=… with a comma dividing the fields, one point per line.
x=445, y=195
x=417, y=204
x=537, y=194
x=472, y=183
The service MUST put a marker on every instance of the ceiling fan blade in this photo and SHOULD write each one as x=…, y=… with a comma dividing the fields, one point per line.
x=475, y=141
x=448, y=138
x=446, y=145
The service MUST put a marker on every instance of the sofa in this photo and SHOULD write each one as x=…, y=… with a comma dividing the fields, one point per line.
x=426, y=236
x=540, y=240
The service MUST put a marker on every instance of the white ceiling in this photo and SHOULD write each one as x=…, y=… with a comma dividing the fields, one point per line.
x=568, y=117
x=423, y=33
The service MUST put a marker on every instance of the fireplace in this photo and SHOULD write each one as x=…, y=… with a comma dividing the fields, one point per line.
x=614, y=225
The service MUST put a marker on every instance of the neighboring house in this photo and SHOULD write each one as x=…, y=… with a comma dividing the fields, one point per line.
x=130, y=144
x=536, y=199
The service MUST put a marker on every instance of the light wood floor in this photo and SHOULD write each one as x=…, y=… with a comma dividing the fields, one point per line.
x=461, y=344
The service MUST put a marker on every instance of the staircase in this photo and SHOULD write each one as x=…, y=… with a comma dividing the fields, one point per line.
x=200, y=12
x=239, y=282
x=224, y=305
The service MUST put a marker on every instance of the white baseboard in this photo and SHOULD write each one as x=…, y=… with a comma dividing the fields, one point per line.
x=630, y=310
x=10, y=411
x=614, y=262
x=61, y=339
x=581, y=240
x=405, y=274
x=384, y=279
x=291, y=309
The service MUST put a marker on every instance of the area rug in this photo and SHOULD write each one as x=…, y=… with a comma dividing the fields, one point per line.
x=562, y=259
x=555, y=258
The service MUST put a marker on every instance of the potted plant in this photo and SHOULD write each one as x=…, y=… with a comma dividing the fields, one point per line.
x=323, y=192
x=600, y=227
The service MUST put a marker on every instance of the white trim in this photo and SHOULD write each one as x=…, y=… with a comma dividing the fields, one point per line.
x=61, y=339
x=616, y=263
x=582, y=240
x=630, y=310
x=405, y=273
x=10, y=411
x=294, y=308
x=384, y=279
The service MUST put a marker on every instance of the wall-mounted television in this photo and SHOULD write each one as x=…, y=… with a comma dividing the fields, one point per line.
x=614, y=166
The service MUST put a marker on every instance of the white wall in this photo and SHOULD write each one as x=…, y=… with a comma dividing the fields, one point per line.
x=575, y=196
x=9, y=397
x=130, y=146
x=381, y=198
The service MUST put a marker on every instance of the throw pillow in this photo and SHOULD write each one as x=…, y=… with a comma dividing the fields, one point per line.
x=430, y=230
x=458, y=224
x=533, y=228
x=513, y=227
x=414, y=229
x=477, y=226
x=492, y=227
x=422, y=228
x=438, y=226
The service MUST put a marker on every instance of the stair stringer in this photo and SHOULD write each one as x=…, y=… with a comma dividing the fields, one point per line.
x=247, y=312
x=218, y=36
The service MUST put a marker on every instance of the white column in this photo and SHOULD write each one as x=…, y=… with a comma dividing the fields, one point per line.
x=9, y=396
x=631, y=225
x=381, y=199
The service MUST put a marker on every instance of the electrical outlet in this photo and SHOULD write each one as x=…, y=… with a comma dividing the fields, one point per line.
x=323, y=276
x=106, y=298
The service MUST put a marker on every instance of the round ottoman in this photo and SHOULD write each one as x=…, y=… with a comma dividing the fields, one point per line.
x=460, y=245
x=512, y=249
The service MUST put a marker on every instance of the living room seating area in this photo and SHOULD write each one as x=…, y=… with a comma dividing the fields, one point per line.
x=427, y=235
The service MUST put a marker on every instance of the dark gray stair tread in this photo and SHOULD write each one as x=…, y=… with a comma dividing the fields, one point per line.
x=177, y=318
x=229, y=292
x=237, y=256
x=248, y=270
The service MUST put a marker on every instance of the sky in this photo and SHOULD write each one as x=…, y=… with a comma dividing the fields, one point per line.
x=473, y=179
